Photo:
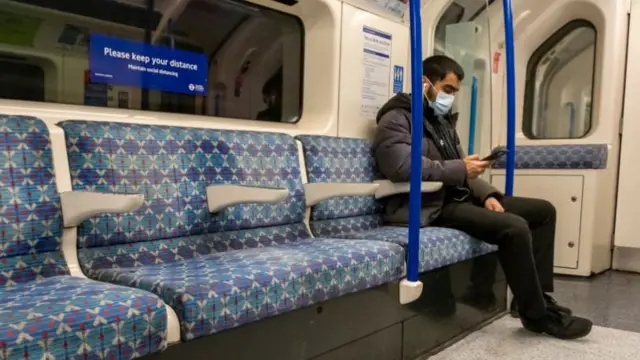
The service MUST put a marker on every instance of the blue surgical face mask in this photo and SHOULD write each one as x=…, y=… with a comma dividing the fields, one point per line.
x=443, y=102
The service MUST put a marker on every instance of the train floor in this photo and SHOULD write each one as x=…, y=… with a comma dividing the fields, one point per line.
x=609, y=299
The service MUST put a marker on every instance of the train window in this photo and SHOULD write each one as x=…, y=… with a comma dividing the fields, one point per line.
x=452, y=15
x=559, y=84
x=20, y=80
x=223, y=58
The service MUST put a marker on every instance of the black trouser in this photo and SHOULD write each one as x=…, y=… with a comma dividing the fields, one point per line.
x=524, y=234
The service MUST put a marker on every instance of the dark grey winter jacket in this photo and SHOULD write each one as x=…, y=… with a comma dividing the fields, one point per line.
x=392, y=150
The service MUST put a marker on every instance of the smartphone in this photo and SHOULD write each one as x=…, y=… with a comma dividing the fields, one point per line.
x=496, y=154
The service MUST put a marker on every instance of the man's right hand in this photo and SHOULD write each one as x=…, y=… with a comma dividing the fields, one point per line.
x=475, y=167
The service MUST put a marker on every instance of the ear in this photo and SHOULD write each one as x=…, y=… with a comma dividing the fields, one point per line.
x=425, y=85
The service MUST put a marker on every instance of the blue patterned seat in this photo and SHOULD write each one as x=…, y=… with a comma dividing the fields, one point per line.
x=66, y=317
x=346, y=160
x=221, y=270
x=44, y=312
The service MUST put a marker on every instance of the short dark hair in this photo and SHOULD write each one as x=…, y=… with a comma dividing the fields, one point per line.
x=436, y=68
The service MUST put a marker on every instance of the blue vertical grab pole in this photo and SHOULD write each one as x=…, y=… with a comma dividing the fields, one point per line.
x=415, y=179
x=472, y=116
x=511, y=96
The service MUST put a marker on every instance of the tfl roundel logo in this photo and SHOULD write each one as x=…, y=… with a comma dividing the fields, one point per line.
x=196, y=87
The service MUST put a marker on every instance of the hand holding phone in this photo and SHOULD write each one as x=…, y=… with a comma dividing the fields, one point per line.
x=474, y=166
x=496, y=154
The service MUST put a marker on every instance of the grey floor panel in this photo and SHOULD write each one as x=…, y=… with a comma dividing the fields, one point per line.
x=506, y=340
x=609, y=299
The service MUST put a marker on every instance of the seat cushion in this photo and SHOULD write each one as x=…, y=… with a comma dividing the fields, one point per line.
x=224, y=290
x=66, y=317
x=439, y=247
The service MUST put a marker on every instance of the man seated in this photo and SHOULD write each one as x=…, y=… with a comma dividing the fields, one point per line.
x=522, y=228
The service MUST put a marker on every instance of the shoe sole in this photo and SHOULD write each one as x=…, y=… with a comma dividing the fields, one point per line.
x=515, y=315
x=572, y=337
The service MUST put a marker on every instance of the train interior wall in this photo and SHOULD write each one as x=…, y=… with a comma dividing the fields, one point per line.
x=331, y=86
x=626, y=255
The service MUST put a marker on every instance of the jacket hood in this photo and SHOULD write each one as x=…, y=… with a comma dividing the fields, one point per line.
x=401, y=101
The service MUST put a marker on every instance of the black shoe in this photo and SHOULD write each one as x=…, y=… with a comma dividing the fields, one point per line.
x=559, y=325
x=551, y=303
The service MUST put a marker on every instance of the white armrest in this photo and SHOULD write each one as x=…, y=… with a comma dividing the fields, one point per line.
x=223, y=196
x=78, y=206
x=388, y=188
x=317, y=192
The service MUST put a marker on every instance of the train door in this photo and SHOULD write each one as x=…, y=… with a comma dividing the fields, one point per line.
x=570, y=61
x=570, y=64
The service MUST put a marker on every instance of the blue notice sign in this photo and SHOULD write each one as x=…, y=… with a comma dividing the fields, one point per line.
x=398, y=78
x=122, y=62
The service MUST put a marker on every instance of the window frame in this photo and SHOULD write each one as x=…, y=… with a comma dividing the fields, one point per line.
x=481, y=10
x=530, y=78
x=303, y=43
x=140, y=15
x=459, y=18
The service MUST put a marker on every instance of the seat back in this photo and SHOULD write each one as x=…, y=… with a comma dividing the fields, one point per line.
x=30, y=214
x=172, y=167
x=341, y=160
